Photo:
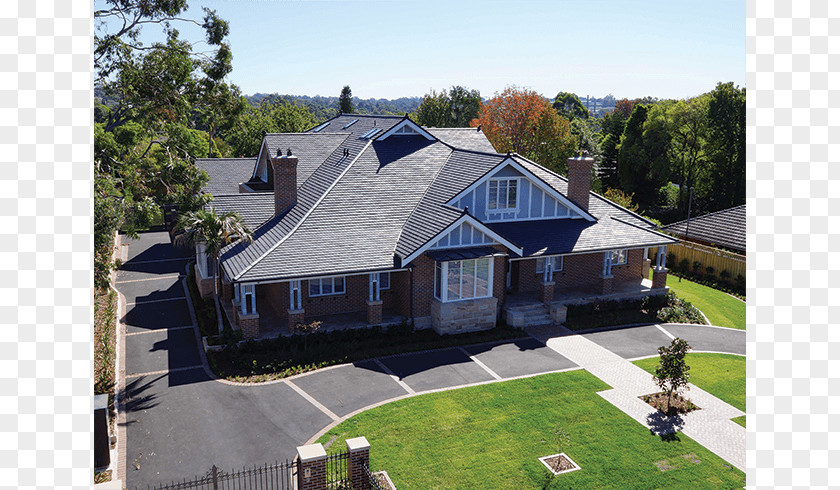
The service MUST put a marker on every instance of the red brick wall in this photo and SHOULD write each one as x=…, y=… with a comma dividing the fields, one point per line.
x=285, y=183
x=424, y=285
x=580, y=270
x=276, y=297
x=400, y=293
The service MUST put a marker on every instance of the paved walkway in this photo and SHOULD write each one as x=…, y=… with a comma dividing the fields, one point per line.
x=710, y=426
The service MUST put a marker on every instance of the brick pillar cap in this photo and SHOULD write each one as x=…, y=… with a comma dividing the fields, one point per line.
x=357, y=444
x=374, y=303
x=311, y=452
x=549, y=283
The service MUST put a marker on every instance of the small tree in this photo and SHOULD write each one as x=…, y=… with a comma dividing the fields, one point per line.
x=562, y=438
x=672, y=373
x=345, y=101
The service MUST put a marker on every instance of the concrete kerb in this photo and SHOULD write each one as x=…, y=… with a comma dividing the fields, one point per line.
x=427, y=392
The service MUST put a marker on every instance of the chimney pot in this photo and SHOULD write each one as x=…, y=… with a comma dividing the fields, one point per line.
x=288, y=152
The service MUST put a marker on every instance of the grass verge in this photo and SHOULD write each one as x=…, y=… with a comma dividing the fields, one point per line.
x=742, y=421
x=722, y=375
x=286, y=356
x=720, y=308
x=490, y=436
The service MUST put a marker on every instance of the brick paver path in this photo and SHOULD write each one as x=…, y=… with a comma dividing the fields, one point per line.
x=710, y=425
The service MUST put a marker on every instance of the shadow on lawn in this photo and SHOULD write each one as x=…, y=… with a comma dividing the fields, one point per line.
x=664, y=426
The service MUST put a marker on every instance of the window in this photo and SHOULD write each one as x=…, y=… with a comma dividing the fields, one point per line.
x=354, y=121
x=384, y=280
x=326, y=286
x=322, y=126
x=619, y=257
x=556, y=264
x=463, y=279
x=501, y=194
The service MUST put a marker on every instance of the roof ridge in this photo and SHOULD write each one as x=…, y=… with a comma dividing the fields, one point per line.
x=639, y=227
x=305, y=216
x=425, y=192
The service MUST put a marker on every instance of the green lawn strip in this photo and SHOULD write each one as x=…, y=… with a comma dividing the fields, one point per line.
x=490, y=436
x=722, y=375
x=720, y=308
x=742, y=421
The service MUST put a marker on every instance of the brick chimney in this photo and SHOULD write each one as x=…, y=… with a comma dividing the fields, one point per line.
x=580, y=178
x=285, y=181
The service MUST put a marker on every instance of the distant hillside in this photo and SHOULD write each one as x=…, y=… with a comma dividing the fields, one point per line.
x=326, y=107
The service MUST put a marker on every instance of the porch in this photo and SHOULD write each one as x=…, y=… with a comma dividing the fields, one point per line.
x=272, y=325
x=528, y=309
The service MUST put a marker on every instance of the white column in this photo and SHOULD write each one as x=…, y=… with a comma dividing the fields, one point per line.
x=547, y=272
x=660, y=257
x=237, y=296
x=373, y=286
x=292, y=288
x=201, y=259
x=607, y=264
x=299, y=294
x=444, y=287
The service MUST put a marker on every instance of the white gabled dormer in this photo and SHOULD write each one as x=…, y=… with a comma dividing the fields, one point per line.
x=406, y=128
x=510, y=192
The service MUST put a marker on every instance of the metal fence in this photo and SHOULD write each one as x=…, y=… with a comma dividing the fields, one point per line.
x=372, y=479
x=336, y=467
x=277, y=476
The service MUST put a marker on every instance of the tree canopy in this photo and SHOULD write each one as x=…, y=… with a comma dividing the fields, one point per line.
x=568, y=105
x=522, y=121
x=454, y=109
x=345, y=101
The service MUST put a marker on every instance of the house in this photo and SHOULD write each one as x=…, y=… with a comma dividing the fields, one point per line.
x=376, y=220
x=726, y=228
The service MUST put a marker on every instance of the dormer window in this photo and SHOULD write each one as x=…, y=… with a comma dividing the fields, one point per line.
x=502, y=193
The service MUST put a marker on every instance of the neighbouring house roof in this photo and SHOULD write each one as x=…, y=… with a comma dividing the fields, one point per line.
x=225, y=174
x=372, y=203
x=463, y=138
x=726, y=228
x=255, y=208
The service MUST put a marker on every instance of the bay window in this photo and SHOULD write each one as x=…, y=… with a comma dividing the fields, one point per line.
x=464, y=279
x=326, y=286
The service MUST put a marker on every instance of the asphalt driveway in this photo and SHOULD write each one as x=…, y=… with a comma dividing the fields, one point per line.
x=179, y=421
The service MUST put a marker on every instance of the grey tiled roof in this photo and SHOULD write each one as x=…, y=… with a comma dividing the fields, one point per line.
x=312, y=149
x=225, y=174
x=255, y=208
x=727, y=228
x=386, y=199
x=463, y=138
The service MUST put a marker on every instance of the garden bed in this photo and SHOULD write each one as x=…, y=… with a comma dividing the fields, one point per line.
x=679, y=405
x=650, y=309
x=265, y=360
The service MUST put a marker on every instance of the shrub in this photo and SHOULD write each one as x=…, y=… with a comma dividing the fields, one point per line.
x=696, y=266
x=684, y=264
x=724, y=274
x=670, y=260
x=710, y=271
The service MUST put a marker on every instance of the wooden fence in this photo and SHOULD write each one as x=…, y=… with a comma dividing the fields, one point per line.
x=720, y=260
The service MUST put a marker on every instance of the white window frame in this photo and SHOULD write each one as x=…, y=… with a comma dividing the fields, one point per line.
x=321, y=281
x=441, y=288
x=506, y=208
x=557, y=264
x=619, y=253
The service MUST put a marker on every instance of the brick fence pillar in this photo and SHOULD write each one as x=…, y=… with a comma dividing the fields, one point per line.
x=606, y=284
x=374, y=312
x=296, y=317
x=660, y=277
x=312, y=471
x=359, y=449
x=250, y=325
x=547, y=292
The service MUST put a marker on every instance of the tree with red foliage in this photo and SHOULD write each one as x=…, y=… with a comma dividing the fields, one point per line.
x=523, y=121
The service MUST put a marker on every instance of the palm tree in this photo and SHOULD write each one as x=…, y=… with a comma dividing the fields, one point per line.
x=215, y=231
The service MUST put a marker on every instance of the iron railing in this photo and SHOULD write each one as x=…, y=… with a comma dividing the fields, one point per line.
x=277, y=476
x=372, y=479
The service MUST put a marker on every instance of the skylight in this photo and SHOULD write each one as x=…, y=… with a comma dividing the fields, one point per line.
x=371, y=133
x=354, y=121
x=319, y=128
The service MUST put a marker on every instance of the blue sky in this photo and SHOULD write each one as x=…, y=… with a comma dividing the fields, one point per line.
x=390, y=49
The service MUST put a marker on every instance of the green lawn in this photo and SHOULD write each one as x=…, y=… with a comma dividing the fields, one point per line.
x=722, y=375
x=720, y=308
x=490, y=436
